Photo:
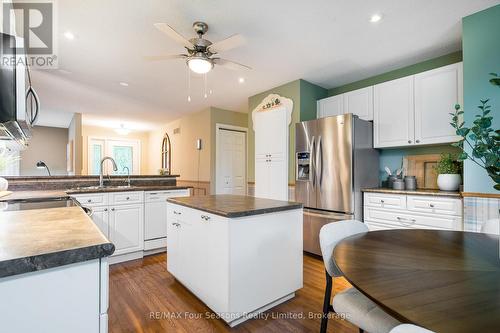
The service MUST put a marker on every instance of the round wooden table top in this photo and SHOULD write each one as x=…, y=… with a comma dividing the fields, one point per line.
x=445, y=281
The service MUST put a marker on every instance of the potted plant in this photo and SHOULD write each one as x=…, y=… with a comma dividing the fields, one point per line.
x=480, y=143
x=6, y=158
x=448, y=170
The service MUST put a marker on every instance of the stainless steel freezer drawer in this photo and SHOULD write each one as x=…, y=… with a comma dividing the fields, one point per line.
x=313, y=221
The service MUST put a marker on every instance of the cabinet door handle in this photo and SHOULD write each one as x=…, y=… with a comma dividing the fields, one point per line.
x=89, y=200
x=177, y=213
x=105, y=209
x=112, y=209
x=431, y=205
x=409, y=141
x=127, y=198
x=206, y=218
x=382, y=201
x=418, y=141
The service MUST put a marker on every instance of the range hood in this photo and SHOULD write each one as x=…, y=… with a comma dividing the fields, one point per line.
x=19, y=102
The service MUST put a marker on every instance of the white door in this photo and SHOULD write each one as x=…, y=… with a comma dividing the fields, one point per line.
x=126, y=153
x=100, y=216
x=360, y=103
x=126, y=230
x=436, y=93
x=331, y=106
x=231, y=164
x=393, y=113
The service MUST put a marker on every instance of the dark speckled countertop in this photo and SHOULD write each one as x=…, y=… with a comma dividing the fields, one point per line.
x=235, y=205
x=37, y=239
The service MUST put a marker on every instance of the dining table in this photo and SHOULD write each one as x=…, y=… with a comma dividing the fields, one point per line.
x=444, y=281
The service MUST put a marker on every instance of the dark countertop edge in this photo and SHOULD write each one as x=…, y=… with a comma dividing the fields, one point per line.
x=16, y=266
x=31, y=178
x=436, y=193
x=261, y=211
x=128, y=189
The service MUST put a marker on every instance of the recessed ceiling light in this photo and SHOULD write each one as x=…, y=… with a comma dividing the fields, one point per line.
x=375, y=18
x=124, y=84
x=69, y=35
x=241, y=80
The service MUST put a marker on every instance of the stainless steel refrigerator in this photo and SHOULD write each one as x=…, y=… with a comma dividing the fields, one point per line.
x=335, y=159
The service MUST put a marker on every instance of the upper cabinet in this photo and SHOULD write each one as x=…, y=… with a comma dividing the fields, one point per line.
x=436, y=93
x=410, y=111
x=330, y=106
x=358, y=102
x=393, y=113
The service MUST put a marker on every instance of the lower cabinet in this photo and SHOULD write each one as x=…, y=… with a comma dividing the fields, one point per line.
x=399, y=211
x=126, y=228
x=134, y=221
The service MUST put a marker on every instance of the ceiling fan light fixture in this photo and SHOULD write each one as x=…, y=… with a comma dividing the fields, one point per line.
x=200, y=65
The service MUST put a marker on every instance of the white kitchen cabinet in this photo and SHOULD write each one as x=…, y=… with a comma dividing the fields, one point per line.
x=155, y=217
x=70, y=298
x=271, y=154
x=393, y=123
x=126, y=228
x=359, y=102
x=330, y=106
x=436, y=93
x=100, y=216
x=231, y=263
x=400, y=211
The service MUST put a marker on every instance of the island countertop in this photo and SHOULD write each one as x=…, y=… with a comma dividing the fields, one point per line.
x=33, y=240
x=427, y=192
x=235, y=205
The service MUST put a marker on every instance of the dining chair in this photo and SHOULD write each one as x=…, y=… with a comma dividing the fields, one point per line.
x=360, y=310
x=408, y=328
x=491, y=226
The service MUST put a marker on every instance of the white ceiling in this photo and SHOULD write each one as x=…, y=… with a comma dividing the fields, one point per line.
x=327, y=42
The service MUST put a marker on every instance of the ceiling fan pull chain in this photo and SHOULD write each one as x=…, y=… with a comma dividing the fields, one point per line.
x=205, y=79
x=189, y=85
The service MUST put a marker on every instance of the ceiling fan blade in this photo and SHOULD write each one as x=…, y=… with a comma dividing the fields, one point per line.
x=170, y=32
x=230, y=64
x=165, y=57
x=226, y=44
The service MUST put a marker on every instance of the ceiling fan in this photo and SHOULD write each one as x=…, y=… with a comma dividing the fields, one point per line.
x=200, y=51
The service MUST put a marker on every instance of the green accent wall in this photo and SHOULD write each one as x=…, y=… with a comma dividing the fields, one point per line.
x=304, y=96
x=399, y=73
x=481, y=47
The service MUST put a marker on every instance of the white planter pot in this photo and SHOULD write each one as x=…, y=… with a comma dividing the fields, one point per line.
x=4, y=184
x=449, y=182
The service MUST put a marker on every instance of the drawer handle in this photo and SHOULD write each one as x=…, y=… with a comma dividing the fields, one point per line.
x=153, y=193
x=105, y=209
x=177, y=213
x=89, y=200
x=128, y=198
x=206, y=218
x=112, y=209
x=402, y=219
x=431, y=205
x=382, y=201
x=176, y=224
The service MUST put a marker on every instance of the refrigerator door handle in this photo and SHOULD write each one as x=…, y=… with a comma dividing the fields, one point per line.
x=312, y=163
x=320, y=162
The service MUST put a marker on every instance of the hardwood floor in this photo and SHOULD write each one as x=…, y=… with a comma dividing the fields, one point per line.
x=144, y=297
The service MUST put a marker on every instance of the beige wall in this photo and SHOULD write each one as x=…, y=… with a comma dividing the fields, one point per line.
x=75, y=136
x=49, y=145
x=185, y=157
x=102, y=132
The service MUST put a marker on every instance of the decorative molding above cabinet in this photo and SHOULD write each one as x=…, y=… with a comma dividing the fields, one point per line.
x=409, y=111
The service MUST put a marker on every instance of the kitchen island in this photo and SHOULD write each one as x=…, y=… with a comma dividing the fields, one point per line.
x=240, y=255
x=53, y=271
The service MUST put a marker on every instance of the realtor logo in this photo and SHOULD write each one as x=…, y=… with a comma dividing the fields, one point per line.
x=35, y=23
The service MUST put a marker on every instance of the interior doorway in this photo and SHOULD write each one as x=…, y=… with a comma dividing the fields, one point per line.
x=231, y=160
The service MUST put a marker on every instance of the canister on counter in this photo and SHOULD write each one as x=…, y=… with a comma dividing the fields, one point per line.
x=411, y=183
x=398, y=184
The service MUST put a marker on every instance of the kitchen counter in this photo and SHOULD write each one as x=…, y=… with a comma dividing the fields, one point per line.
x=414, y=192
x=45, y=194
x=38, y=239
x=235, y=205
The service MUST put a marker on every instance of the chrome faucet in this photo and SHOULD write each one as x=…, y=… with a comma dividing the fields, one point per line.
x=128, y=175
x=115, y=168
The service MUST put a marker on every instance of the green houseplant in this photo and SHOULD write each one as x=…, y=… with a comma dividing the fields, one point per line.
x=448, y=169
x=481, y=140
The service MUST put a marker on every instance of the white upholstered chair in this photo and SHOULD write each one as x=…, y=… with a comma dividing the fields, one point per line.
x=408, y=328
x=491, y=226
x=360, y=310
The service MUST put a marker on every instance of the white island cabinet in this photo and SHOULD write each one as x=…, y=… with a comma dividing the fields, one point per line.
x=238, y=262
